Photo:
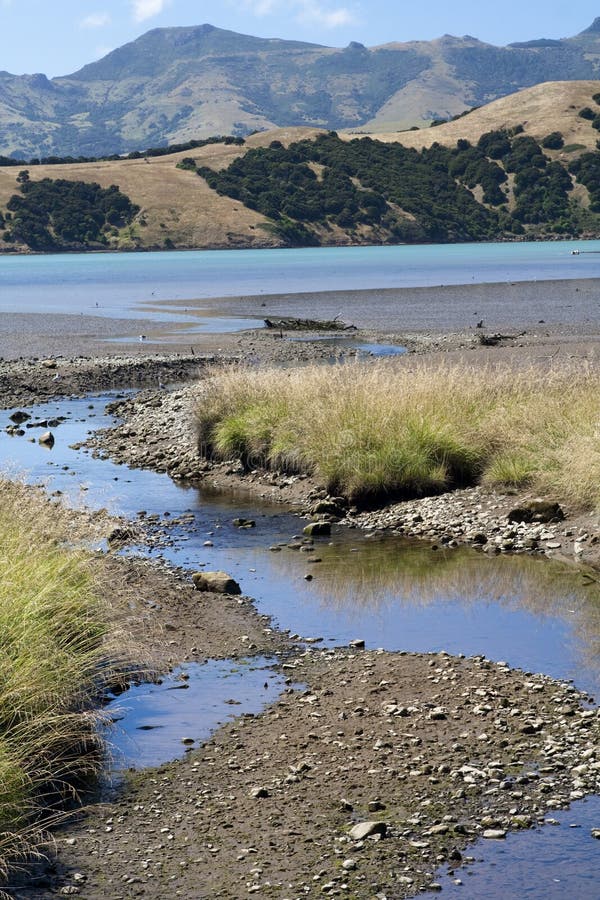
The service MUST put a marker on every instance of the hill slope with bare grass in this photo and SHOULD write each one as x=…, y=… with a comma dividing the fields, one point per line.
x=176, y=207
x=540, y=110
x=525, y=166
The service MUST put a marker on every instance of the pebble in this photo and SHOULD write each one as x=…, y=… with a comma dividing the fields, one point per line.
x=468, y=516
x=363, y=830
x=259, y=793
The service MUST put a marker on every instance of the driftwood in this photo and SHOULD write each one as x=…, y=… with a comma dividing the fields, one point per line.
x=491, y=340
x=292, y=324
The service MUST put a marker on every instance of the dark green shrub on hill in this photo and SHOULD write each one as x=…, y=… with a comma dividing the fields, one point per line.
x=55, y=214
x=553, y=141
x=360, y=183
x=587, y=171
x=472, y=167
x=586, y=113
x=525, y=152
x=409, y=195
x=495, y=144
x=187, y=163
x=542, y=194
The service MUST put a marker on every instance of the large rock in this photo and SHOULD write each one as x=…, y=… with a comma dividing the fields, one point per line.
x=537, y=511
x=19, y=416
x=216, y=583
x=46, y=439
x=329, y=507
x=317, y=529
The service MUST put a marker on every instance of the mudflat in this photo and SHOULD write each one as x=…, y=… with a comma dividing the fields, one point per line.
x=442, y=317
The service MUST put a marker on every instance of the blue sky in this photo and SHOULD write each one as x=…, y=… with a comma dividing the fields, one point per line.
x=61, y=36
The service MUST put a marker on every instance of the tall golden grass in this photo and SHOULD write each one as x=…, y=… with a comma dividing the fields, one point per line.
x=387, y=429
x=52, y=654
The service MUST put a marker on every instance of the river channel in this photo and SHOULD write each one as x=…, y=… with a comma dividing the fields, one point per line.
x=394, y=593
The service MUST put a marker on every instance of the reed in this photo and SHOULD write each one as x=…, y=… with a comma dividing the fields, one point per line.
x=387, y=429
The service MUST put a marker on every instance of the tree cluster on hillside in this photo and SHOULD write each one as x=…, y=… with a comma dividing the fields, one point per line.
x=502, y=186
x=59, y=214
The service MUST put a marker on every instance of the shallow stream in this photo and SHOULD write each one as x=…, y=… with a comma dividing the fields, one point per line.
x=392, y=592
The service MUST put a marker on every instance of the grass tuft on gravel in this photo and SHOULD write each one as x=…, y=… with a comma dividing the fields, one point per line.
x=387, y=429
x=52, y=651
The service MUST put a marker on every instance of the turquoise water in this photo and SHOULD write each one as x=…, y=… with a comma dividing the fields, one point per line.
x=111, y=283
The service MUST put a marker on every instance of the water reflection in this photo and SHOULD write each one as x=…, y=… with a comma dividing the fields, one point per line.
x=155, y=723
x=399, y=594
x=394, y=593
x=552, y=863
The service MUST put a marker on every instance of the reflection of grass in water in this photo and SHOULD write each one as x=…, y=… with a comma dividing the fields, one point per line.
x=377, y=572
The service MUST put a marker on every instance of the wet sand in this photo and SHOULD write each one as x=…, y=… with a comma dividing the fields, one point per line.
x=515, y=305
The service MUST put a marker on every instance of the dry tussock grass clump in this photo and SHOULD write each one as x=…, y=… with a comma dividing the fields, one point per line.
x=387, y=429
x=54, y=660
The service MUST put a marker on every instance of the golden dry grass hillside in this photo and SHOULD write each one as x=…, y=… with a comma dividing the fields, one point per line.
x=175, y=204
x=542, y=109
x=178, y=209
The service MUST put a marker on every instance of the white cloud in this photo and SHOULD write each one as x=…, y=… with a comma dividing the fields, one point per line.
x=261, y=7
x=318, y=12
x=147, y=9
x=311, y=11
x=96, y=20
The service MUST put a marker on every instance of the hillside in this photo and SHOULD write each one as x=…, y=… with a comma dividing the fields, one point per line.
x=302, y=186
x=173, y=84
x=553, y=106
x=176, y=206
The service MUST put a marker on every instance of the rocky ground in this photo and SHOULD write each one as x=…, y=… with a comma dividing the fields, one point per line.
x=360, y=783
x=372, y=769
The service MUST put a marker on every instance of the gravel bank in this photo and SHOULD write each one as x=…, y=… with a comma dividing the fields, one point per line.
x=436, y=750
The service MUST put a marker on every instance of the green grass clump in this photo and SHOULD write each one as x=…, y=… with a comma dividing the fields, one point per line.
x=387, y=429
x=51, y=653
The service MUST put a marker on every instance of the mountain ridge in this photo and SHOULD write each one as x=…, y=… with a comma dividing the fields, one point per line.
x=174, y=84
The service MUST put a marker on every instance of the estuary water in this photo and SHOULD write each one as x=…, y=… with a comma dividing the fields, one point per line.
x=392, y=592
x=123, y=284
